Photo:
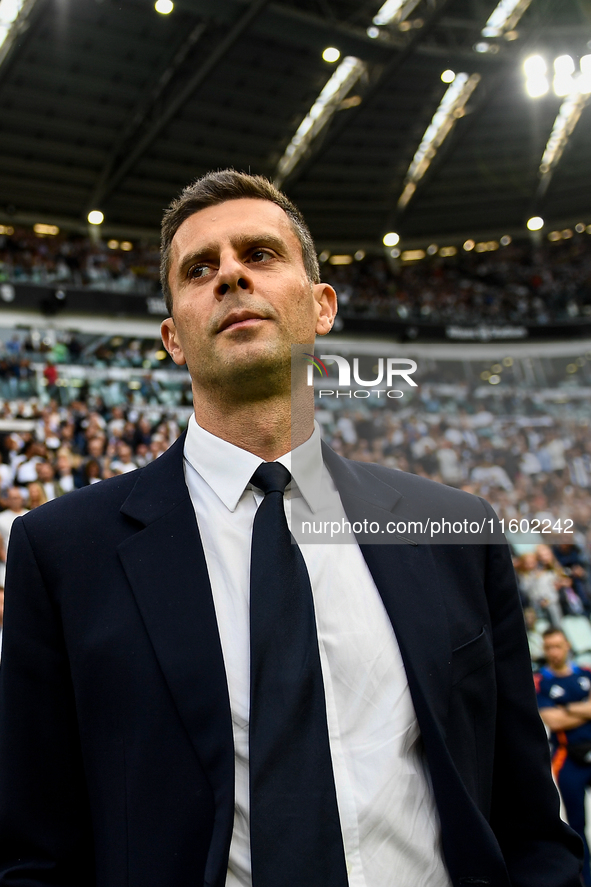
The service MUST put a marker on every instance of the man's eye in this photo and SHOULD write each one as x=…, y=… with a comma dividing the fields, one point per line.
x=260, y=255
x=198, y=271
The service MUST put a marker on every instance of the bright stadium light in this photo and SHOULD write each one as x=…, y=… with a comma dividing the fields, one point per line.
x=584, y=79
x=346, y=75
x=536, y=223
x=448, y=76
x=391, y=239
x=450, y=109
x=535, y=66
x=394, y=12
x=9, y=10
x=537, y=88
x=504, y=17
x=536, y=83
x=564, y=68
x=567, y=81
x=566, y=120
x=564, y=65
x=164, y=7
x=331, y=54
x=95, y=217
x=388, y=12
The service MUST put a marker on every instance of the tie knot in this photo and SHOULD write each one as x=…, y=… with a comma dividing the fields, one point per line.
x=271, y=477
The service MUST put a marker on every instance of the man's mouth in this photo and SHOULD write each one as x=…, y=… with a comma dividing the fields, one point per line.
x=240, y=320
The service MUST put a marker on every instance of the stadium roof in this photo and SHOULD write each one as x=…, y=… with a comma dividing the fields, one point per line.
x=107, y=104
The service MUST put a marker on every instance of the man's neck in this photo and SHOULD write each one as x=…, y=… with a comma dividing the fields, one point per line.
x=269, y=428
x=562, y=671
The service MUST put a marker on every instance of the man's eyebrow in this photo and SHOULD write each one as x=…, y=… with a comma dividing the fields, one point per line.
x=249, y=240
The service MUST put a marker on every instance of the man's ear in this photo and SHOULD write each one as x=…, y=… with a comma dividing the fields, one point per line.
x=326, y=299
x=171, y=342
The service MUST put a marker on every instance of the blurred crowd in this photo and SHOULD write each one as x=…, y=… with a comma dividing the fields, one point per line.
x=519, y=282
x=536, y=470
x=31, y=367
x=75, y=260
x=68, y=448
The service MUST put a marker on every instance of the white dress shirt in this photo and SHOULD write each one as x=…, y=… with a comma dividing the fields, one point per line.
x=388, y=818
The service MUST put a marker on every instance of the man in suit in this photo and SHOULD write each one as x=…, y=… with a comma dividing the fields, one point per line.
x=125, y=738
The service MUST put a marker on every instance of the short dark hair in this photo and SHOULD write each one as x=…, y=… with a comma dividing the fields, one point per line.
x=552, y=630
x=218, y=187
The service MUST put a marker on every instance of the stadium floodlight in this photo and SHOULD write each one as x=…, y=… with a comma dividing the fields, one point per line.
x=535, y=66
x=164, y=7
x=450, y=109
x=584, y=79
x=566, y=120
x=391, y=238
x=504, y=17
x=331, y=54
x=346, y=75
x=537, y=87
x=536, y=83
x=95, y=217
x=567, y=80
x=564, y=68
x=394, y=11
x=9, y=10
x=536, y=223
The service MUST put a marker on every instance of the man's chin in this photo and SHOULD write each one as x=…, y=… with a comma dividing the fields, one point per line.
x=248, y=371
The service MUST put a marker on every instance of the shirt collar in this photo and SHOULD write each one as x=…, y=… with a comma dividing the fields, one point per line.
x=227, y=469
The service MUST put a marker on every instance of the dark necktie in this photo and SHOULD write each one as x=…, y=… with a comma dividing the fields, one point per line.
x=295, y=831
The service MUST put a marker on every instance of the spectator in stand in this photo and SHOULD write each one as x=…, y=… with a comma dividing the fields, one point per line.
x=572, y=561
x=65, y=475
x=124, y=461
x=538, y=583
x=565, y=707
x=26, y=471
x=535, y=638
x=51, y=376
x=156, y=448
x=95, y=452
x=9, y=515
x=570, y=602
x=46, y=476
x=6, y=477
x=36, y=495
x=91, y=472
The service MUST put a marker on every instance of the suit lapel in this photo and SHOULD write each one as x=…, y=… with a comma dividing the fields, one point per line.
x=407, y=580
x=166, y=568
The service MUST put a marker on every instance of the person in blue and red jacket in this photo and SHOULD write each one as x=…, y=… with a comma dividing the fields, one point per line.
x=565, y=707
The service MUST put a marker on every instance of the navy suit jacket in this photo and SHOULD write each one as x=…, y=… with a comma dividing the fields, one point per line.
x=116, y=751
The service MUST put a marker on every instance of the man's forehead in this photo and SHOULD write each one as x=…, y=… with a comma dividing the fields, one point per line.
x=232, y=219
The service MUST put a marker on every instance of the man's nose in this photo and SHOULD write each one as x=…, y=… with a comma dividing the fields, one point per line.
x=233, y=275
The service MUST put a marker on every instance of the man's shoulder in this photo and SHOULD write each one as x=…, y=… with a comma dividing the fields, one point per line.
x=93, y=500
x=100, y=502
